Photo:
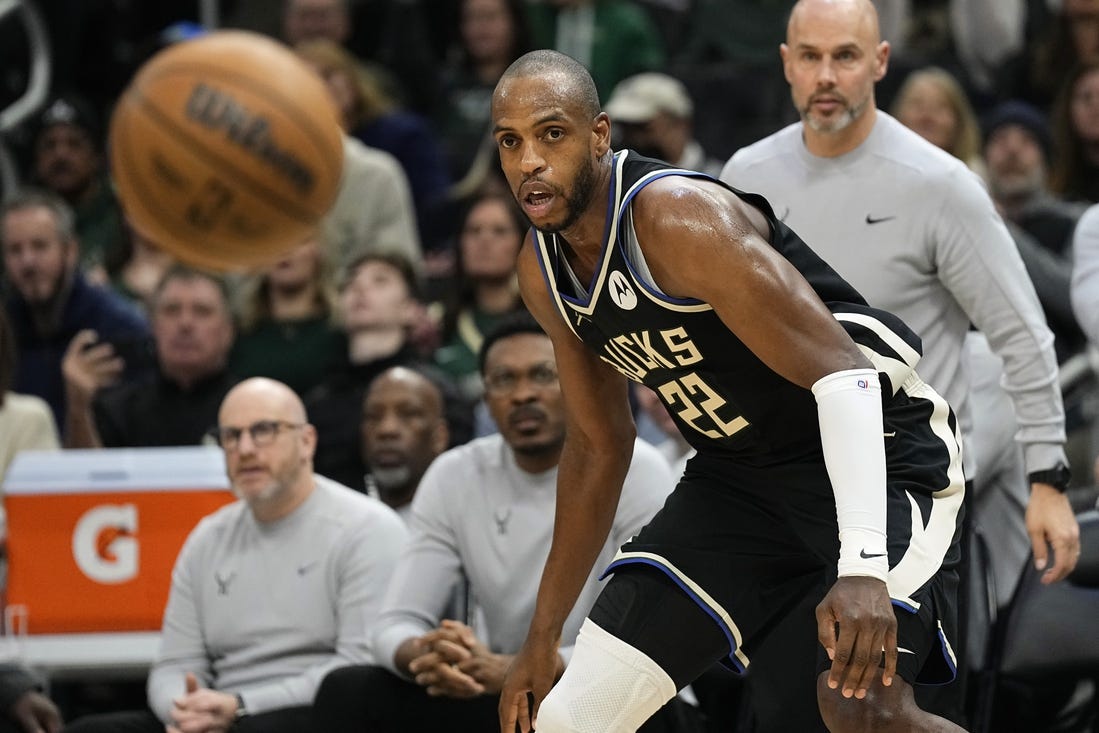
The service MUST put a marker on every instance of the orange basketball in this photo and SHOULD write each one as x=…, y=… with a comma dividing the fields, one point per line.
x=226, y=150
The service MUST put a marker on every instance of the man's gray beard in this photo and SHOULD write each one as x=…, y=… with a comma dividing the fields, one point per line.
x=391, y=479
x=1017, y=187
x=273, y=489
x=850, y=114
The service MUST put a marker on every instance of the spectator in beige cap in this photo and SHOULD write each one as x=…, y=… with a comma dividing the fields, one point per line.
x=654, y=115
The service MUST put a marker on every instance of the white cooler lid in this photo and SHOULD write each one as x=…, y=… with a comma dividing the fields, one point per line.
x=116, y=469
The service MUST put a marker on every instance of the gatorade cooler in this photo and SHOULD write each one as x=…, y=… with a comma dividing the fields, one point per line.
x=93, y=534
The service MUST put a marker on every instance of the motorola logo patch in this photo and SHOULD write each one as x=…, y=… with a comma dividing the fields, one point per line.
x=622, y=293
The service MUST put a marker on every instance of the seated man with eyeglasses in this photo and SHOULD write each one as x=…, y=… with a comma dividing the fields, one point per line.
x=483, y=513
x=269, y=593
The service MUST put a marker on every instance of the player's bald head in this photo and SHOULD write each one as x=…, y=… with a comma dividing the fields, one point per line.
x=561, y=77
x=860, y=17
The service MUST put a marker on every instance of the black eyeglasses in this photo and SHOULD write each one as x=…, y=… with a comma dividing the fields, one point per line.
x=262, y=432
x=504, y=382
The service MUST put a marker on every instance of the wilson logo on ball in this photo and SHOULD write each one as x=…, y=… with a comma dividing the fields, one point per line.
x=218, y=110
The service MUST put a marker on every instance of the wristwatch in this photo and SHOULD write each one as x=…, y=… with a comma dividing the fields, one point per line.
x=1057, y=477
x=241, y=710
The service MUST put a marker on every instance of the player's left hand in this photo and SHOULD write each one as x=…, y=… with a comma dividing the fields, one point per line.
x=855, y=624
x=528, y=681
x=1051, y=523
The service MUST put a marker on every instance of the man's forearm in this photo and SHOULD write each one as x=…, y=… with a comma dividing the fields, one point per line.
x=80, y=428
x=588, y=488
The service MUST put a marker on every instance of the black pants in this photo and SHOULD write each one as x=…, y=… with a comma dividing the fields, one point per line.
x=366, y=699
x=286, y=720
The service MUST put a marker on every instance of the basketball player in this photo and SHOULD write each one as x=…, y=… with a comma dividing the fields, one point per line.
x=785, y=382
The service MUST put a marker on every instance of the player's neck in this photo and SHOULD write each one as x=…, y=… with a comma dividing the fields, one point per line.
x=585, y=235
x=582, y=262
x=841, y=142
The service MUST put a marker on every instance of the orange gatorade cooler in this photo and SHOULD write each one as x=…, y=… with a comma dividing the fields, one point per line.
x=93, y=534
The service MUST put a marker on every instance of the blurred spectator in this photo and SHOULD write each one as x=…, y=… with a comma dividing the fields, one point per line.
x=653, y=114
x=26, y=422
x=392, y=36
x=1018, y=149
x=972, y=39
x=612, y=38
x=1074, y=174
x=378, y=303
x=373, y=212
x=25, y=708
x=369, y=115
x=403, y=430
x=269, y=593
x=1065, y=35
x=308, y=20
x=484, y=513
x=287, y=321
x=136, y=267
x=934, y=105
x=192, y=333
x=491, y=34
x=732, y=31
x=69, y=161
x=49, y=300
x=485, y=291
x=1016, y=152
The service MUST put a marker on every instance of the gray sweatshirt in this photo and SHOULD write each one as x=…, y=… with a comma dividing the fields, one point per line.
x=477, y=514
x=913, y=229
x=267, y=609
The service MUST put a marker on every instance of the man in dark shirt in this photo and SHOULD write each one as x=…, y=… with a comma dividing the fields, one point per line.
x=49, y=300
x=193, y=332
x=23, y=706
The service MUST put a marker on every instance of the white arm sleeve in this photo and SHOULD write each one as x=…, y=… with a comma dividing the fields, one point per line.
x=851, y=432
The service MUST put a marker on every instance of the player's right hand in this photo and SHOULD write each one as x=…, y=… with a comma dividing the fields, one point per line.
x=532, y=671
x=856, y=624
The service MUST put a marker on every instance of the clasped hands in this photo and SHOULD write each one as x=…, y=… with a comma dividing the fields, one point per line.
x=453, y=662
x=202, y=710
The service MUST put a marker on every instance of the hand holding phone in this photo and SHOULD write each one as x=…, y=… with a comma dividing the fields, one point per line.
x=89, y=365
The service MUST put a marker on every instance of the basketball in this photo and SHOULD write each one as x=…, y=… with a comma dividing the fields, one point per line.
x=226, y=150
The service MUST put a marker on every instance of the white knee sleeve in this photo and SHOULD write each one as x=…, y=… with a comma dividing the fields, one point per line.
x=608, y=687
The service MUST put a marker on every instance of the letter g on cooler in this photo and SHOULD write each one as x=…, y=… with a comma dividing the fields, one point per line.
x=104, y=543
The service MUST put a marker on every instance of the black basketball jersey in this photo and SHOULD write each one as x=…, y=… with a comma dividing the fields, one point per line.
x=723, y=397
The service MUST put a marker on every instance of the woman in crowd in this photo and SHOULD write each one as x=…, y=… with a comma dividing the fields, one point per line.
x=369, y=115
x=933, y=104
x=485, y=291
x=1074, y=174
x=286, y=321
x=491, y=34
